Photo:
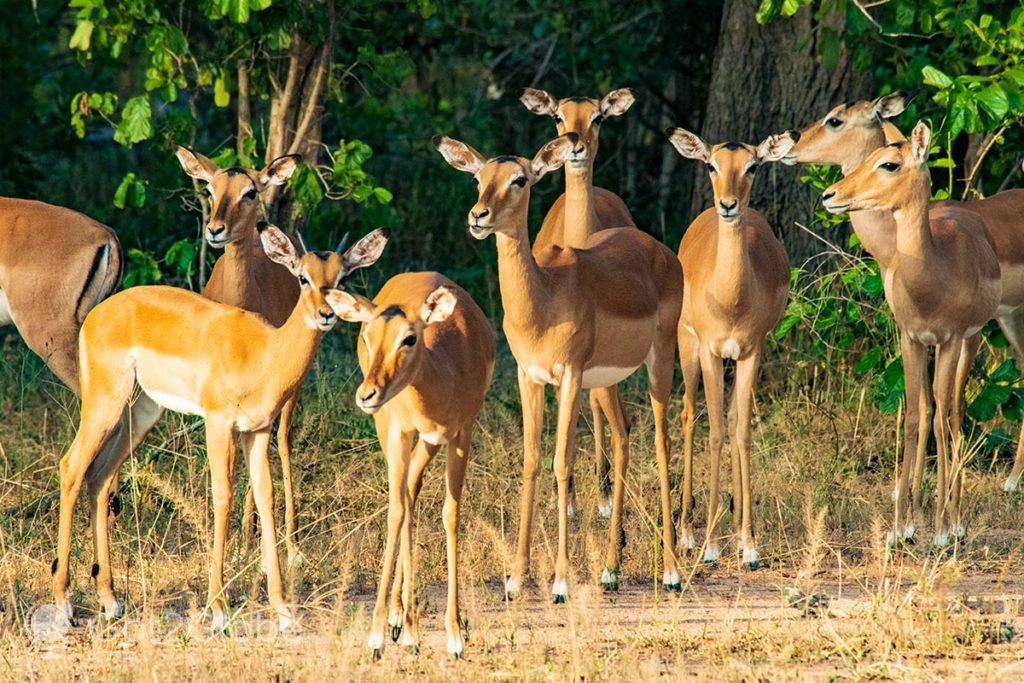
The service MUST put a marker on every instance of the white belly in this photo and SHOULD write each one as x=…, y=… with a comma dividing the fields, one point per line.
x=177, y=404
x=5, y=310
x=433, y=438
x=605, y=376
x=546, y=376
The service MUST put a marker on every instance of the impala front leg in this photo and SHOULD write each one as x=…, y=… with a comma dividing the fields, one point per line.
x=915, y=436
x=746, y=378
x=946, y=357
x=220, y=455
x=284, y=449
x=689, y=360
x=711, y=366
x=610, y=404
x=568, y=413
x=532, y=398
x=963, y=368
x=457, y=461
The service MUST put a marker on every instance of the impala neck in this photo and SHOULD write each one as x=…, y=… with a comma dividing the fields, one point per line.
x=913, y=229
x=522, y=283
x=291, y=349
x=239, y=273
x=873, y=228
x=732, y=263
x=580, y=214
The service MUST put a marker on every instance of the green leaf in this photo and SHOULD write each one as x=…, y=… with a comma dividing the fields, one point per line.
x=871, y=359
x=136, y=122
x=221, y=95
x=933, y=77
x=1006, y=372
x=828, y=47
x=141, y=269
x=131, y=192
x=82, y=37
x=993, y=99
x=382, y=195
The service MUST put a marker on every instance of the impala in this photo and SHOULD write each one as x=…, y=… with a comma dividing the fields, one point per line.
x=244, y=276
x=55, y=265
x=426, y=351
x=575, y=318
x=147, y=349
x=942, y=284
x=845, y=137
x=576, y=215
x=736, y=280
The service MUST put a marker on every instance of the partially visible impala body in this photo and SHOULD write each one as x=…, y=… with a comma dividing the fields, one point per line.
x=55, y=265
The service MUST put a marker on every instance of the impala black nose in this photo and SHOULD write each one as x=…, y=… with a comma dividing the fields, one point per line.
x=481, y=214
x=728, y=206
x=827, y=196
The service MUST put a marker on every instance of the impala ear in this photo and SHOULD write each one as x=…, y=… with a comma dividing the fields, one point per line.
x=350, y=307
x=539, y=102
x=888, y=106
x=775, y=147
x=195, y=164
x=278, y=247
x=439, y=305
x=459, y=155
x=279, y=170
x=552, y=156
x=366, y=251
x=617, y=102
x=688, y=144
x=920, y=137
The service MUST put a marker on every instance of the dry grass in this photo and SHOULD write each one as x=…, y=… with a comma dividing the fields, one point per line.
x=831, y=603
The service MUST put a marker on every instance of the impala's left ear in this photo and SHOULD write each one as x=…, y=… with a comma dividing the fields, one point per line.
x=617, y=102
x=278, y=247
x=366, y=251
x=279, y=170
x=350, y=307
x=775, y=147
x=920, y=138
x=539, y=102
x=552, y=155
x=439, y=305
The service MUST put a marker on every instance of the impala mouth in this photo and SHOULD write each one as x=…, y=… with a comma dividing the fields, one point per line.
x=216, y=241
x=789, y=160
x=477, y=231
x=729, y=214
x=371, y=405
x=836, y=208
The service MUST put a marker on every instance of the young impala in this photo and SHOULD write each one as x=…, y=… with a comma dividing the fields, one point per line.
x=245, y=277
x=736, y=280
x=575, y=319
x=845, y=137
x=576, y=215
x=147, y=349
x=942, y=284
x=426, y=352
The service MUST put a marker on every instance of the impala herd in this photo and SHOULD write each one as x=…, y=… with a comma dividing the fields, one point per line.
x=585, y=306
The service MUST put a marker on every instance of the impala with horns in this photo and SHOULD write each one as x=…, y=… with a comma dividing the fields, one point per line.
x=575, y=318
x=55, y=265
x=845, y=137
x=245, y=277
x=735, y=285
x=426, y=351
x=942, y=285
x=576, y=215
x=236, y=371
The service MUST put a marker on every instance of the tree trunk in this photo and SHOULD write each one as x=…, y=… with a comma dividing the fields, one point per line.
x=765, y=80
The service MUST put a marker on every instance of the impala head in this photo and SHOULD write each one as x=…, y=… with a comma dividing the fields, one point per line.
x=891, y=177
x=320, y=272
x=847, y=132
x=235, y=203
x=391, y=340
x=732, y=165
x=504, y=182
x=580, y=115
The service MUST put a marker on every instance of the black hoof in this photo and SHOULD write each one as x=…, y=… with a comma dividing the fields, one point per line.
x=610, y=586
x=673, y=587
x=559, y=600
x=377, y=654
x=752, y=566
x=455, y=656
x=396, y=631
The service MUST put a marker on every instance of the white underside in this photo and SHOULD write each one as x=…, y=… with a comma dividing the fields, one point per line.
x=433, y=438
x=605, y=376
x=176, y=404
x=5, y=310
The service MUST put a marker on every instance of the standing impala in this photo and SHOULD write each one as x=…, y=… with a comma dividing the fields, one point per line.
x=244, y=276
x=943, y=285
x=575, y=319
x=845, y=137
x=147, y=349
x=736, y=280
x=55, y=265
x=427, y=352
x=576, y=215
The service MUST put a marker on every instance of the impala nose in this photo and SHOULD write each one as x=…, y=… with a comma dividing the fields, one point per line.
x=368, y=398
x=477, y=215
x=215, y=233
x=827, y=196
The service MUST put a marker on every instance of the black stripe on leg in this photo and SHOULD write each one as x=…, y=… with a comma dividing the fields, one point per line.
x=53, y=566
x=100, y=253
x=95, y=570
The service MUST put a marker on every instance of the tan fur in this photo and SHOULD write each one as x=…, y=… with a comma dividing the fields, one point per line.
x=238, y=372
x=863, y=130
x=55, y=265
x=578, y=213
x=736, y=281
x=245, y=277
x=431, y=389
x=613, y=303
x=942, y=285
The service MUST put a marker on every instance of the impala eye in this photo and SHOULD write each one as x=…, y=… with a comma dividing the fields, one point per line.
x=712, y=169
x=558, y=119
x=409, y=340
x=889, y=166
x=250, y=194
x=751, y=170
x=303, y=280
x=520, y=181
x=834, y=123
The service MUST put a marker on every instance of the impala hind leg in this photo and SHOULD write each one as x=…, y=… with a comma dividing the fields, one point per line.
x=569, y=393
x=1013, y=328
x=532, y=400
x=660, y=367
x=455, y=470
x=601, y=461
x=956, y=419
x=711, y=367
x=915, y=439
x=946, y=357
x=100, y=417
x=611, y=406
x=743, y=391
x=397, y=447
x=421, y=457
x=284, y=449
x=135, y=424
x=689, y=359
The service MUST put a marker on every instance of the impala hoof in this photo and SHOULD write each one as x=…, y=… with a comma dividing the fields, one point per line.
x=218, y=623
x=375, y=643
x=513, y=587
x=610, y=580
x=604, y=508
x=687, y=540
x=455, y=646
x=670, y=581
x=113, y=610
x=409, y=640
x=560, y=591
x=958, y=532
x=712, y=554
x=751, y=560
x=377, y=654
x=395, y=622
x=1011, y=483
